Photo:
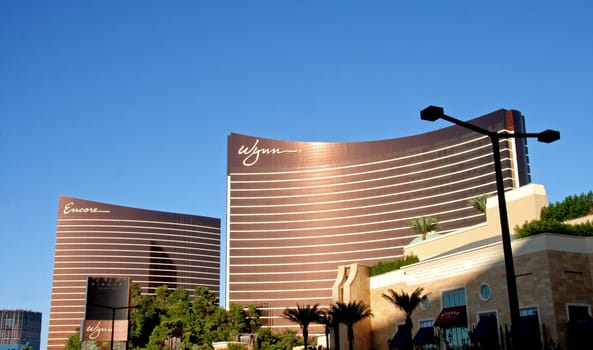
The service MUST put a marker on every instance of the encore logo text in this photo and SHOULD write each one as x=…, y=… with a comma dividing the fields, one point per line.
x=252, y=153
x=71, y=209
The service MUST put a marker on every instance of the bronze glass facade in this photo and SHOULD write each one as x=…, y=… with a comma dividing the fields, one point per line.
x=152, y=248
x=297, y=210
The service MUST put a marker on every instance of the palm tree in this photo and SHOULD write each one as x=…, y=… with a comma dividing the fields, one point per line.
x=479, y=203
x=424, y=225
x=407, y=303
x=349, y=314
x=327, y=320
x=303, y=315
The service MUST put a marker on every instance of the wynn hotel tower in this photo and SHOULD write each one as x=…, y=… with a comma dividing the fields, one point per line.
x=151, y=248
x=298, y=210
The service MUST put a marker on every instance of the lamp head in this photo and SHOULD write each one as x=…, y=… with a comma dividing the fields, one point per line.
x=548, y=136
x=432, y=113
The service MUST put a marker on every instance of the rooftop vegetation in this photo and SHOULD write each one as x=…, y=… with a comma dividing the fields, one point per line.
x=392, y=265
x=553, y=217
x=572, y=207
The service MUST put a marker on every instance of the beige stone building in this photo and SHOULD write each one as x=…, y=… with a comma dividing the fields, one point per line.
x=463, y=277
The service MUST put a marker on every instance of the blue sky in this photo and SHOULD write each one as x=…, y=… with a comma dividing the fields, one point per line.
x=131, y=102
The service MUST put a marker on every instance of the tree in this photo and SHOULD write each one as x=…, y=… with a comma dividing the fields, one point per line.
x=73, y=342
x=179, y=314
x=424, y=224
x=208, y=321
x=326, y=318
x=349, y=314
x=172, y=308
x=188, y=321
x=268, y=340
x=253, y=315
x=479, y=203
x=237, y=319
x=144, y=317
x=304, y=315
x=407, y=303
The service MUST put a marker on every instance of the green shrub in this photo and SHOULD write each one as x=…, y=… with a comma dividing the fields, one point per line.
x=552, y=226
x=268, y=340
x=571, y=207
x=386, y=266
x=553, y=216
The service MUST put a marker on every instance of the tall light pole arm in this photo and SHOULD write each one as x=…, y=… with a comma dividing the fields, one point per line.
x=432, y=113
x=469, y=126
x=546, y=136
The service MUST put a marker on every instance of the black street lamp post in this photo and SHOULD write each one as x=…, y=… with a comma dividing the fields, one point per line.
x=432, y=113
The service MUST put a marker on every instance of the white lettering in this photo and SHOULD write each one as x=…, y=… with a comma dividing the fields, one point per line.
x=71, y=209
x=252, y=153
x=94, y=331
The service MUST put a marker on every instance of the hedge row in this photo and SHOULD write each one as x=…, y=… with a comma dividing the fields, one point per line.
x=386, y=266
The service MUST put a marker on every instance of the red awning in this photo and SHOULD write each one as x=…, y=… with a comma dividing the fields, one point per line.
x=454, y=316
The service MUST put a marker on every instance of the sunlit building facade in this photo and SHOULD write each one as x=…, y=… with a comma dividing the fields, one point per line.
x=298, y=210
x=152, y=248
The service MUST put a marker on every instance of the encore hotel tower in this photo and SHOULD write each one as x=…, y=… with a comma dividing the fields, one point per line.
x=297, y=210
x=152, y=248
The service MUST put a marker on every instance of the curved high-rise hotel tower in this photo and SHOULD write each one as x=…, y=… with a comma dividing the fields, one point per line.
x=152, y=248
x=297, y=210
